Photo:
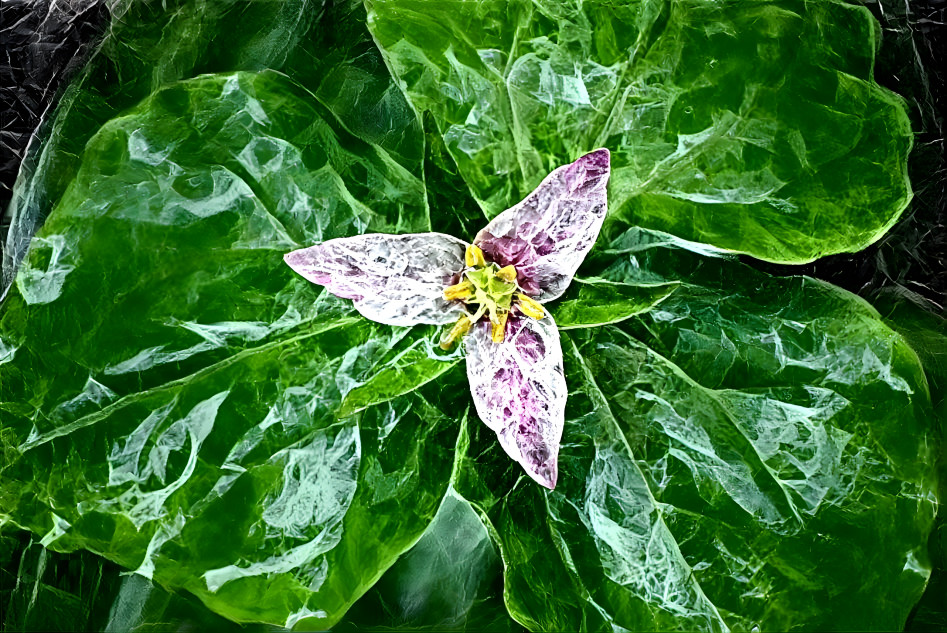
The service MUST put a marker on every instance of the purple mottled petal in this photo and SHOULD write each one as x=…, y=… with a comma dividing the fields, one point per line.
x=520, y=391
x=393, y=279
x=549, y=233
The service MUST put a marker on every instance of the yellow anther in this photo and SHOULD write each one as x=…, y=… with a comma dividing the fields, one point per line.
x=462, y=291
x=507, y=274
x=474, y=257
x=529, y=306
x=456, y=332
x=499, y=327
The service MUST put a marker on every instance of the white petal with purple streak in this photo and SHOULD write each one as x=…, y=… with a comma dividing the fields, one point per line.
x=549, y=233
x=519, y=389
x=393, y=279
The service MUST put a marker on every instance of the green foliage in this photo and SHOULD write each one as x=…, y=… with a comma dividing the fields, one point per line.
x=400, y=372
x=590, y=303
x=754, y=129
x=719, y=449
x=189, y=409
x=740, y=450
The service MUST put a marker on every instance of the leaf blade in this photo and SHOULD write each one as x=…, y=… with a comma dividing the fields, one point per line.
x=593, y=303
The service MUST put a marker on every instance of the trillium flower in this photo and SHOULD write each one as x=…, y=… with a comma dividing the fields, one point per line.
x=492, y=293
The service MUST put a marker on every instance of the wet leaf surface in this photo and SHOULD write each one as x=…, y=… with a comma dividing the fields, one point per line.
x=740, y=450
x=758, y=130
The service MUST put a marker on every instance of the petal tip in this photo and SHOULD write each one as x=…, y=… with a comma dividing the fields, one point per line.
x=600, y=157
x=297, y=257
x=545, y=475
x=304, y=262
x=596, y=163
x=590, y=171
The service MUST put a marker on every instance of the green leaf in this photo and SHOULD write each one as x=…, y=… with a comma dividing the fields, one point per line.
x=919, y=322
x=539, y=591
x=45, y=590
x=453, y=211
x=595, y=302
x=451, y=580
x=754, y=452
x=170, y=387
x=755, y=129
x=402, y=373
x=149, y=45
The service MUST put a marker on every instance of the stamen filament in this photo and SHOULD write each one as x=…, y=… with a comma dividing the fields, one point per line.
x=474, y=258
x=462, y=291
x=529, y=306
x=479, y=313
x=459, y=329
x=498, y=331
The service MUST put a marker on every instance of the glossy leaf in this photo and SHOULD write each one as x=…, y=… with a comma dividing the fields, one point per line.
x=753, y=452
x=399, y=374
x=754, y=129
x=326, y=49
x=451, y=580
x=926, y=330
x=595, y=302
x=183, y=384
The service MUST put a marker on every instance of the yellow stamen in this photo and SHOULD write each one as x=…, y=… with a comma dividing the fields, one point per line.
x=529, y=306
x=463, y=291
x=507, y=274
x=474, y=257
x=457, y=331
x=499, y=328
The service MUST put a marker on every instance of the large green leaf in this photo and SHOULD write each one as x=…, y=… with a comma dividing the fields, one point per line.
x=753, y=452
x=919, y=322
x=451, y=580
x=326, y=49
x=755, y=128
x=400, y=372
x=170, y=389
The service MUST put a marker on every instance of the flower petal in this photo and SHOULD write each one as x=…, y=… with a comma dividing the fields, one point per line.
x=548, y=234
x=393, y=279
x=520, y=391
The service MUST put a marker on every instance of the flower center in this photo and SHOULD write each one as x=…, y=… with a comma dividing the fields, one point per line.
x=490, y=291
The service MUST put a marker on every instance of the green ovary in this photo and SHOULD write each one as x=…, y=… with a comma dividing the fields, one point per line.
x=492, y=292
x=486, y=286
